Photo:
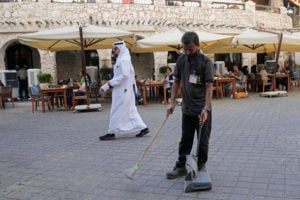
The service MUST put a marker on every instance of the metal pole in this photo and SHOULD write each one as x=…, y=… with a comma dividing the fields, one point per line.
x=83, y=65
x=277, y=53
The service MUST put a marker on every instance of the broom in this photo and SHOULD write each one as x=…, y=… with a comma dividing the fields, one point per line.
x=130, y=173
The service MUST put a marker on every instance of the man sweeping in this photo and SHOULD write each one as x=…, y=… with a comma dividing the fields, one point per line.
x=194, y=72
x=124, y=117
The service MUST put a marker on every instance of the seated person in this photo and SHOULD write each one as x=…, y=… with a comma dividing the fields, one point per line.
x=285, y=69
x=253, y=72
x=245, y=70
x=168, y=80
x=79, y=92
x=262, y=72
x=238, y=76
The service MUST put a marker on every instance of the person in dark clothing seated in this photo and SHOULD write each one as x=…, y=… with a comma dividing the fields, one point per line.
x=79, y=92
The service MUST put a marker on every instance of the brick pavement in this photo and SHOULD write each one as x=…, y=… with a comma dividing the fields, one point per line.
x=254, y=153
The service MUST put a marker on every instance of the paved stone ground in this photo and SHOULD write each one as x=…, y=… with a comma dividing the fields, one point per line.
x=254, y=153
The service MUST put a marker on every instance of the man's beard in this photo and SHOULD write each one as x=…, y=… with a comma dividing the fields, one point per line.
x=191, y=56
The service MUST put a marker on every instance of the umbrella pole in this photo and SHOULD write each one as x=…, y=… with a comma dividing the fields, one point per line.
x=277, y=53
x=83, y=65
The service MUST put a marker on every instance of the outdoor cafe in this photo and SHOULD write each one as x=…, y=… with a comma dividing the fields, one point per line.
x=249, y=41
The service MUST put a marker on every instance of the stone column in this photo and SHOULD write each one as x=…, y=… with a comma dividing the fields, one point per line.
x=48, y=64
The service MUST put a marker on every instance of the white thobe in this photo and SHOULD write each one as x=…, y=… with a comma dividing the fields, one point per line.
x=124, y=117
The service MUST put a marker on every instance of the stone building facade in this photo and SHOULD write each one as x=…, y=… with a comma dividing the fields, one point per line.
x=22, y=17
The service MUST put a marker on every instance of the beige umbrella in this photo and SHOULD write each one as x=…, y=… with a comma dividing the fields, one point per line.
x=170, y=40
x=68, y=38
x=77, y=38
x=257, y=41
x=249, y=41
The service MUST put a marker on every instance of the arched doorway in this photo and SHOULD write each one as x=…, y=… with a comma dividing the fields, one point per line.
x=18, y=54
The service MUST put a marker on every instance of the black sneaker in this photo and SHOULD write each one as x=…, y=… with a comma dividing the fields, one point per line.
x=176, y=172
x=202, y=168
x=107, y=137
x=143, y=132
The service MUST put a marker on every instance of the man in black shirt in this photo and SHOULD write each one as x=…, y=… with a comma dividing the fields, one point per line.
x=195, y=73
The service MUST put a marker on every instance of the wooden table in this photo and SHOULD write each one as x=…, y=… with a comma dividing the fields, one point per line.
x=48, y=91
x=220, y=81
x=153, y=85
x=275, y=77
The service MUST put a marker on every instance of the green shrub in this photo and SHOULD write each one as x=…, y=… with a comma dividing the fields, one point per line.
x=162, y=69
x=44, y=77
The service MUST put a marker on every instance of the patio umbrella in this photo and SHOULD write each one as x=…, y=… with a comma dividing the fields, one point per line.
x=77, y=38
x=170, y=40
x=249, y=41
x=68, y=38
x=257, y=41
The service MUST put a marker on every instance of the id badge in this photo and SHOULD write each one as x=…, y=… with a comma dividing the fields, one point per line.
x=193, y=79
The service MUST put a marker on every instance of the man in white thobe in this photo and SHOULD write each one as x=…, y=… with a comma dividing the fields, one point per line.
x=124, y=117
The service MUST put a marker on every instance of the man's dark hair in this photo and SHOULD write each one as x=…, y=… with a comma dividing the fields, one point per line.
x=190, y=37
x=169, y=68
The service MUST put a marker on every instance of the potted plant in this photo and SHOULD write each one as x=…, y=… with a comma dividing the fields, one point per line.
x=162, y=69
x=44, y=79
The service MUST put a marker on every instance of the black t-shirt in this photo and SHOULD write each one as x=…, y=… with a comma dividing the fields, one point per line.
x=193, y=92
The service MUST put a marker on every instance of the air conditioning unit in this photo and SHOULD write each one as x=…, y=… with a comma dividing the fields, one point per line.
x=32, y=77
x=220, y=66
x=93, y=72
x=9, y=77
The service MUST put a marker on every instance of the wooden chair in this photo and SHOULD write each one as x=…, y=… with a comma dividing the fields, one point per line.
x=76, y=99
x=295, y=80
x=218, y=93
x=6, y=94
x=34, y=93
x=261, y=83
x=251, y=84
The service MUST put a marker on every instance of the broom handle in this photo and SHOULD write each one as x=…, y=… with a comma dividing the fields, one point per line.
x=152, y=139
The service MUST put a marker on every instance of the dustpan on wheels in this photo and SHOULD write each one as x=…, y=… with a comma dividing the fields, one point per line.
x=196, y=180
